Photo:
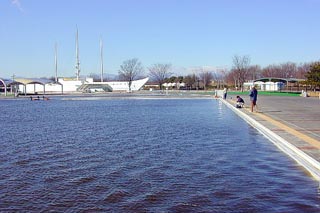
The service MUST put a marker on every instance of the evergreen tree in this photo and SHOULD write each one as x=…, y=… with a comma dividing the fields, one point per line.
x=313, y=76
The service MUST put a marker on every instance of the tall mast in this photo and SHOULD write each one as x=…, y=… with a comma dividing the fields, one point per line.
x=56, y=62
x=77, y=57
x=101, y=58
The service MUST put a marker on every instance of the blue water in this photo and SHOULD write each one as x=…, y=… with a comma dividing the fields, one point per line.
x=143, y=155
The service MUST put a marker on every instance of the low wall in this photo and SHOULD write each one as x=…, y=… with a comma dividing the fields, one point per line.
x=314, y=94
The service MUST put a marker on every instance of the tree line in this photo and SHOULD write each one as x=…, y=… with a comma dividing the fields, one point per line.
x=241, y=71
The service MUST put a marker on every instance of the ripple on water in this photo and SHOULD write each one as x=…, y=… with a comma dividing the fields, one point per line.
x=116, y=196
x=143, y=156
x=82, y=180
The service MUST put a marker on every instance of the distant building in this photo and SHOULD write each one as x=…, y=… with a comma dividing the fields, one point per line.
x=271, y=84
x=69, y=85
x=264, y=86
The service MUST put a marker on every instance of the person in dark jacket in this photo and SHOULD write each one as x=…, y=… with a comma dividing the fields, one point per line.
x=253, y=98
x=240, y=102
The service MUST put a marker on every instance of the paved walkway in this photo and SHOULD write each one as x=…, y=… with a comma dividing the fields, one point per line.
x=295, y=119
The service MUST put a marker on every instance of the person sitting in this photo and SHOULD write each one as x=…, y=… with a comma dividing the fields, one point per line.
x=240, y=102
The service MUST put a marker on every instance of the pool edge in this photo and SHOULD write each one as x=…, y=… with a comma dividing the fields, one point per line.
x=303, y=159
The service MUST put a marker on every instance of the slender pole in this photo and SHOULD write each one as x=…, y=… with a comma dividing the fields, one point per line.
x=13, y=76
x=77, y=57
x=101, y=57
x=56, y=62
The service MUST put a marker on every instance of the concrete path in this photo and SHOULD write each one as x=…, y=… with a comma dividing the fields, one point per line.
x=295, y=119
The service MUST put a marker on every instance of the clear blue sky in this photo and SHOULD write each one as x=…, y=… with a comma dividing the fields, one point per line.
x=185, y=33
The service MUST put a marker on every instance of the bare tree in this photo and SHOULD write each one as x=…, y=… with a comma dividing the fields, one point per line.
x=271, y=71
x=232, y=78
x=254, y=72
x=159, y=73
x=206, y=77
x=130, y=70
x=284, y=70
x=241, y=65
x=302, y=70
x=219, y=76
x=288, y=70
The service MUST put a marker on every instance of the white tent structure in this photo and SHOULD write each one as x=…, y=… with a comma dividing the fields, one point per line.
x=265, y=86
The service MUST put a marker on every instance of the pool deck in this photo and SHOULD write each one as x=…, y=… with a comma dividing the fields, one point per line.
x=291, y=123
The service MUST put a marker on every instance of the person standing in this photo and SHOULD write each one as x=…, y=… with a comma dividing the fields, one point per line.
x=225, y=93
x=253, y=97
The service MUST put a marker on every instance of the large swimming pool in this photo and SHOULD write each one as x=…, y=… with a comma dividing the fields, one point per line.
x=143, y=155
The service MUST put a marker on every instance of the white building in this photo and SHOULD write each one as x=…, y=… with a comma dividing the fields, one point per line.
x=69, y=85
x=265, y=86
